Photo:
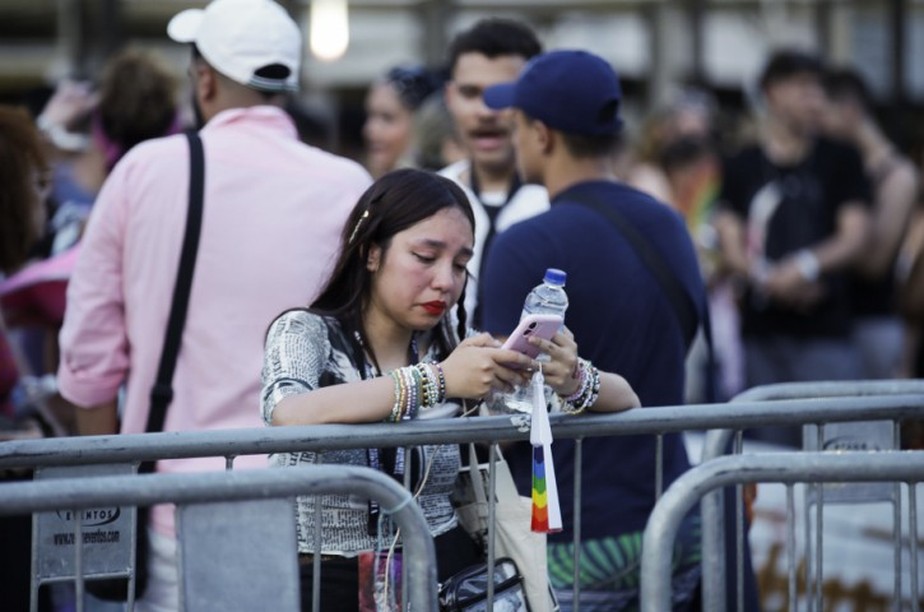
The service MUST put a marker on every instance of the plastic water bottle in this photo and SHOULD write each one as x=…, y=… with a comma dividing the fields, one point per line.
x=548, y=297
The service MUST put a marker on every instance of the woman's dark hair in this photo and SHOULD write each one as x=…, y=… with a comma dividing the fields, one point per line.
x=785, y=64
x=494, y=37
x=846, y=84
x=137, y=101
x=22, y=162
x=413, y=84
x=396, y=201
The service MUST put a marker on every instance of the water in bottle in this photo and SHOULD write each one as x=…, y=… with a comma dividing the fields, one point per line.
x=548, y=297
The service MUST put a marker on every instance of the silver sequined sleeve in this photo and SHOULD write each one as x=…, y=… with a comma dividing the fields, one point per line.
x=297, y=350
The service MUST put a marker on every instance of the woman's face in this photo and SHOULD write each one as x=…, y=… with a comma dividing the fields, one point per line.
x=387, y=130
x=421, y=274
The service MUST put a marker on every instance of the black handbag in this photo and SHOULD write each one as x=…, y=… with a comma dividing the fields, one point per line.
x=467, y=591
x=116, y=589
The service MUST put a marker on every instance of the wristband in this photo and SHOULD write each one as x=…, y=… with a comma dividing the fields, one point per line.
x=582, y=366
x=808, y=265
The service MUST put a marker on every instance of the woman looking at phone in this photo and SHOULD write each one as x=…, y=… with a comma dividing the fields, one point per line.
x=379, y=345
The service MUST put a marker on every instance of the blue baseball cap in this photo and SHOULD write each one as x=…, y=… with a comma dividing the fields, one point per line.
x=571, y=91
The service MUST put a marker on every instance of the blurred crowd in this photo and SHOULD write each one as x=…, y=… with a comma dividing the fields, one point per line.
x=57, y=158
x=54, y=164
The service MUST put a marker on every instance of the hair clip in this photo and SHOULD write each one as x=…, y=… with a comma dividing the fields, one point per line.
x=356, y=227
x=365, y=214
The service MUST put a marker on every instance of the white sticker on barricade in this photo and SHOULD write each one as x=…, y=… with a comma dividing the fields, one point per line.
x=851, y=437
x=106, y=533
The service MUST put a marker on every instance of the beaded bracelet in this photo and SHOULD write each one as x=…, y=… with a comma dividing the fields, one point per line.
x=397, y=410
x=436, y=383
x=412, y=379
x=419, y=386
x=582, y=366
x=589, y=391
x=441, y=382
x=429, y=385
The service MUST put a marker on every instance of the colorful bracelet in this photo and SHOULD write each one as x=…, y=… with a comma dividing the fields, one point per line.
x=397, y=409
x=582, y=366
x=418, y=386
x=588, y=393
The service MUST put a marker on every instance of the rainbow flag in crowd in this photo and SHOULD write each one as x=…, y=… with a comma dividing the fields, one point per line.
x=546, y=516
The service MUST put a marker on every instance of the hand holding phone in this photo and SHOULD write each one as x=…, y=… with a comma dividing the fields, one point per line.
x=542, y=325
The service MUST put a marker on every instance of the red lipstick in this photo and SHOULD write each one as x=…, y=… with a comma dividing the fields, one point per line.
x=435, y=308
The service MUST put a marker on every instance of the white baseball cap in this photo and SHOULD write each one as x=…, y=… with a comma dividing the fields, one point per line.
x=242, y=39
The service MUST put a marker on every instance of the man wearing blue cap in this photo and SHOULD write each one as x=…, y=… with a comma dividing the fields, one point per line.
x=566, y=106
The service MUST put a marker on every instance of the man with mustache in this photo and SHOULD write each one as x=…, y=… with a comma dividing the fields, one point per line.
x=492, y=51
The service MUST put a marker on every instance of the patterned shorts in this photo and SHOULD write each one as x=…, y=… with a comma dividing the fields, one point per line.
x=609, y=570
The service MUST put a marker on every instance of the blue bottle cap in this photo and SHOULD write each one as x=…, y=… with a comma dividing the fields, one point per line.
x=554, y=276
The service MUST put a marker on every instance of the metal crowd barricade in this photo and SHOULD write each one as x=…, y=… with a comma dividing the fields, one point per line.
x=654, y=421
x=783, y=467
x=217, y=572
x=718, y=441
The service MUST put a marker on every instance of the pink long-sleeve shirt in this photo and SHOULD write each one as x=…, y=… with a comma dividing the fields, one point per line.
x=273, y=214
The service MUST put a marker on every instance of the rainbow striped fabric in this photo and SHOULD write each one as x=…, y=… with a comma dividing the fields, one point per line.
x=546, y=514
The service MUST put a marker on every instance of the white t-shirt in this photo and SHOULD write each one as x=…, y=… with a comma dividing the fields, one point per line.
x=529, y=200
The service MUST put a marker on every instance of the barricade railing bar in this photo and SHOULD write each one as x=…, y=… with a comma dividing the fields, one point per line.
x=184, y=489
x=718, y=442
x=779, y=467
x=830, y=388
x=128, y=448
x=656, y=421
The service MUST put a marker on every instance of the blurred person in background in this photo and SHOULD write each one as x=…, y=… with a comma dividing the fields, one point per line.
x=24, y=178
x=693, y=168
x=437, y=144
x=675, y=160
x=65, y=123
x=792, y=222
x=391, y=104
x=640, y=163
x=849, y=115
x=491, y=51
x=26, y=316
x=136, y=100
x=910, y=284
x=274, y=209
x=23, y=188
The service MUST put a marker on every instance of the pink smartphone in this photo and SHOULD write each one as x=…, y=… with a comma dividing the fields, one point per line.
x=543, y=325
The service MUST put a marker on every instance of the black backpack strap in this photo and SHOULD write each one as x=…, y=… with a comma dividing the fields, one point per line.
x=162, y=391
x=681, y=301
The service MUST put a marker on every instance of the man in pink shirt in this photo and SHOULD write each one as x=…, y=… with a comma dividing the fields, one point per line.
x=274, y=209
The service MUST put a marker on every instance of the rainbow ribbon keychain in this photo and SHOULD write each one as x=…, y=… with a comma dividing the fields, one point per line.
x=546, y=516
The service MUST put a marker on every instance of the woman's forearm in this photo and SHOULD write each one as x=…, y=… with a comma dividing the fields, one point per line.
x=364, y=401
x=616, y=394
